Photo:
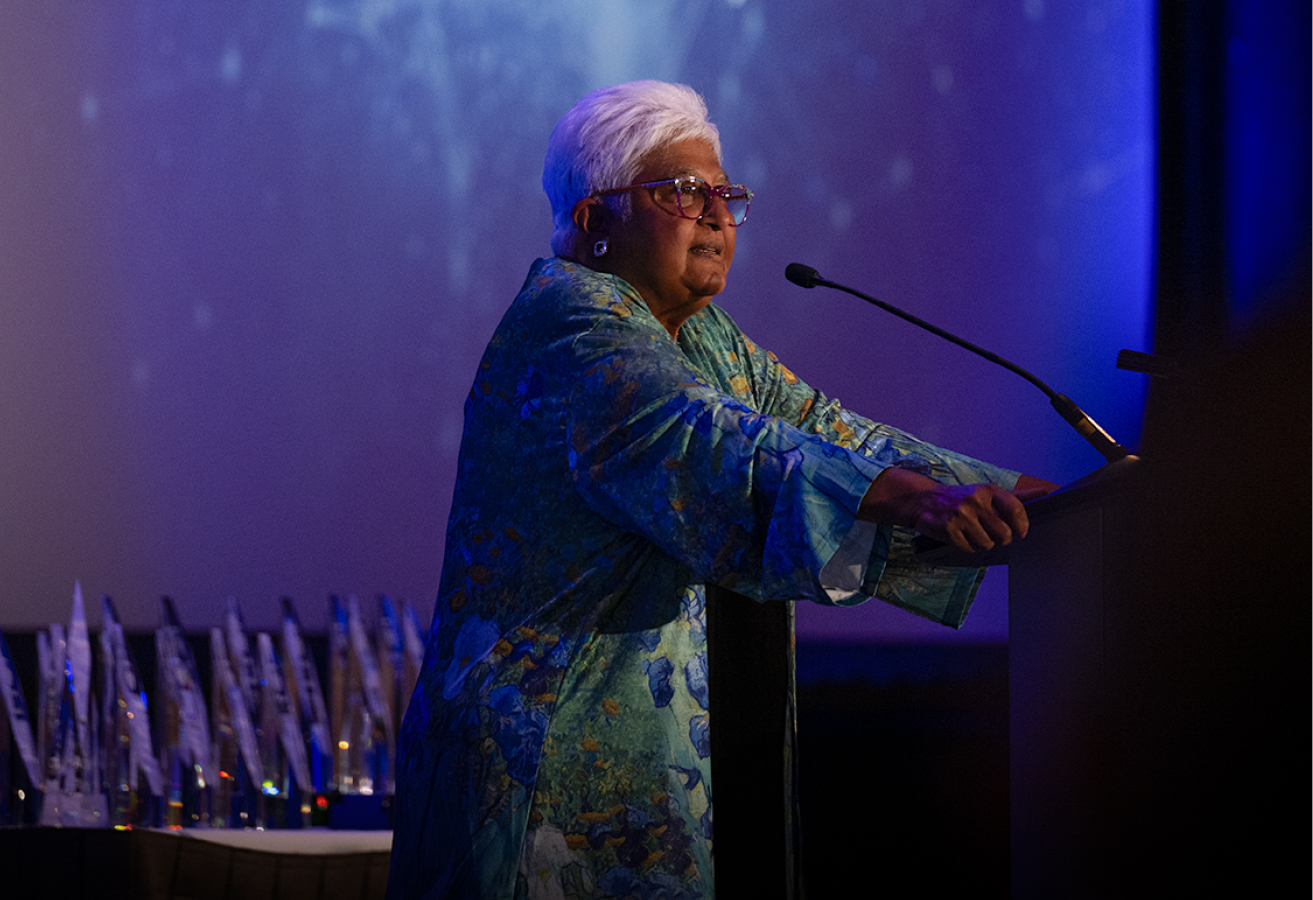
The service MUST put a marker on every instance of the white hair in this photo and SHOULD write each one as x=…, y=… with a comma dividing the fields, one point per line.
x=602, y=141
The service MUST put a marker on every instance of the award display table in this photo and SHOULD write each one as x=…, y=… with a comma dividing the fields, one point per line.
x=311, y=864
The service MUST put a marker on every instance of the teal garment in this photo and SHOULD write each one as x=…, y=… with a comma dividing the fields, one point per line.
x=558, y=743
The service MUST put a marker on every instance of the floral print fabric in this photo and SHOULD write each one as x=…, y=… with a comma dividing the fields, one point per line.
x=558, y=743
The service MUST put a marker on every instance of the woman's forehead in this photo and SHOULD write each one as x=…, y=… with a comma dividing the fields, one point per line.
x=693, y=156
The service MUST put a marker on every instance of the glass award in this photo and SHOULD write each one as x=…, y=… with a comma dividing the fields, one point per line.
x=246, y=671
x=130, y=772
x=73, y=796
x=55, y=715
x=236, y=752
x=365, y=741
x=50, y=706
x=339, y=652
x=83, y=775
x=184, y=744
x=282, y=746
x=306, y=699
x=413, y=638
x=391, y=660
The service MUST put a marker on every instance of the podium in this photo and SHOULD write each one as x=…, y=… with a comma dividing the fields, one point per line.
x=1069, y=585
x=1158, y=673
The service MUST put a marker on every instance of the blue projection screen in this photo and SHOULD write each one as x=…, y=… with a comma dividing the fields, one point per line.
x=251, y=251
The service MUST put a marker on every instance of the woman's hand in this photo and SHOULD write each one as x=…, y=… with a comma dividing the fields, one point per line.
x=1031, y=488
x=971, y=517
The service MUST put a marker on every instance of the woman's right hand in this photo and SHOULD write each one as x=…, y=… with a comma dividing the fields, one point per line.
x=971, y=517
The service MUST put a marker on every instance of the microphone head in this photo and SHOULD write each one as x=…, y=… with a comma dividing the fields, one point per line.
x=803, y=276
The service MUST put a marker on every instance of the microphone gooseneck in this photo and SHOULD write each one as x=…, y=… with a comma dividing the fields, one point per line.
x=806, y=276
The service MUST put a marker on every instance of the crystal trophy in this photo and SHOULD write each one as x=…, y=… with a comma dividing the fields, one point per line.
x=184, y=744
x=306, y=699
x=236, y=752
x=51, y=706
x=365, y=741
x=130, y=772
x=246, y=671
x=339, y=652
x=391, y=660
x=413, y=660
x=73, y=794
x=282, y=746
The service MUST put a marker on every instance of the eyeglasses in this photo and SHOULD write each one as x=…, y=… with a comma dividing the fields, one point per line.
x=690, y=197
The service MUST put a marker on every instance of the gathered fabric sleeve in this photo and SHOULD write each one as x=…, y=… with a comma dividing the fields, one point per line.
x=875, y=561
x=742, y=498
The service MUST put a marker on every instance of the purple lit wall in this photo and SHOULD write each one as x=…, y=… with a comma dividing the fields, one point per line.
x=250, y=253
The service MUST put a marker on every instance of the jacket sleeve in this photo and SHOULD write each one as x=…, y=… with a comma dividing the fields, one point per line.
x=888, y=569
x=742, y=498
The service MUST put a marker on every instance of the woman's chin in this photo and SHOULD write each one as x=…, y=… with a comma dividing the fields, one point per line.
x=709, y=282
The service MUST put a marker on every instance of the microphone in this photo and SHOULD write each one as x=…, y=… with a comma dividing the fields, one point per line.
x=802, y=276
x=806, y=276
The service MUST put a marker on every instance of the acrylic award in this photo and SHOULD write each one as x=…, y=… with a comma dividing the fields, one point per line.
x=237, y=796
x=134, y=789
x=184, y=743
x=282, y=746
x=306, y=698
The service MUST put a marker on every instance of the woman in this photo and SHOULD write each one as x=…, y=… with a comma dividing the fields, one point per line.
x=625, y=445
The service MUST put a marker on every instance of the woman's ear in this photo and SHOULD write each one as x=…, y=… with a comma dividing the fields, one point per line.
x=589, y=215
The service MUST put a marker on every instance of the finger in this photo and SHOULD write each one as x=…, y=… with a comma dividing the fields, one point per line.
x=994, y=510
x=995, y=527
x=1010, y=508
x=1028, y=483
x=957, y=533
x=981, y=529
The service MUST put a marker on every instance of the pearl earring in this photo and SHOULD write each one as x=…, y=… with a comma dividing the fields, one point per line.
x=600, y=248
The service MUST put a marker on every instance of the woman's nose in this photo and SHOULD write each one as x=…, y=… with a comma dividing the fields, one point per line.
x=716, y=213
